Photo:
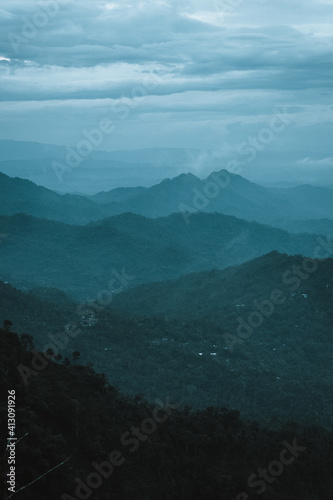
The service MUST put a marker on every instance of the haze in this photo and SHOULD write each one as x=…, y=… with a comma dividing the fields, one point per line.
x=213, y=74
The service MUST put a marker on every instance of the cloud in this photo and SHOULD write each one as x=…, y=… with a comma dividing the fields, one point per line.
x=220, y=66
x=84, y=48
x=318, y=163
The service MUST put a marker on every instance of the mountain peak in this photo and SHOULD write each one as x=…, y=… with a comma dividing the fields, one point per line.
x=235, y=178
x=181, y=178
x=186, y=178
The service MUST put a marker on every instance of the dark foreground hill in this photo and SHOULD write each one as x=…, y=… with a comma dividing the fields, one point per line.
x=34, y=311
x=128, y=249
x=223, y=338
x=80, y=437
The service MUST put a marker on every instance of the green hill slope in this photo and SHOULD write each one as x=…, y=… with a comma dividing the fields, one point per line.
x=73, y=423
x=81, y=260
x=208, y=348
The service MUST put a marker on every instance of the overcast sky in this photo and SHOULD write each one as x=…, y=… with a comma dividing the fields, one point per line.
x=191, y=74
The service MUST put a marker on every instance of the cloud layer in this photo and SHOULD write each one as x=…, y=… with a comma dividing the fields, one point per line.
x=190, y=73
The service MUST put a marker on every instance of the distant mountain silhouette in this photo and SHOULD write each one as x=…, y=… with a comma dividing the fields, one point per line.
x=221, y=192
x=35, y=161
x=231, y=194
x=319, y=226
x=117, y=195
x=20, y=195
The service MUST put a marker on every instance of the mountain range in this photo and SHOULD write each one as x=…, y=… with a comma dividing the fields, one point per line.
x=221, y=192
x=181, y=272
x=131, y=167
x=38, y=162
x=82, y=260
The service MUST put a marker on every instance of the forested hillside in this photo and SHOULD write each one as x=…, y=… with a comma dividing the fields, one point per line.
x=71, y=422
x=210, y=294
x=255, y=337
x=82, y=260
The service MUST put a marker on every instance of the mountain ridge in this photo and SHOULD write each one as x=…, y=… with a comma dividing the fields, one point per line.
x=80, y=259
x=221, y=192
x=202, y=347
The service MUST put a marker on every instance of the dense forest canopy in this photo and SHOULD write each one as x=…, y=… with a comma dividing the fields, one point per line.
x=83, y=436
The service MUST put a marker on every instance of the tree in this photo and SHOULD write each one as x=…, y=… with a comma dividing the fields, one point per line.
x=76, y=355
x=27, y=341
x=7, y=324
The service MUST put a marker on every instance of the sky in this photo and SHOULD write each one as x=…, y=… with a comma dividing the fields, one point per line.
x=214, y=75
